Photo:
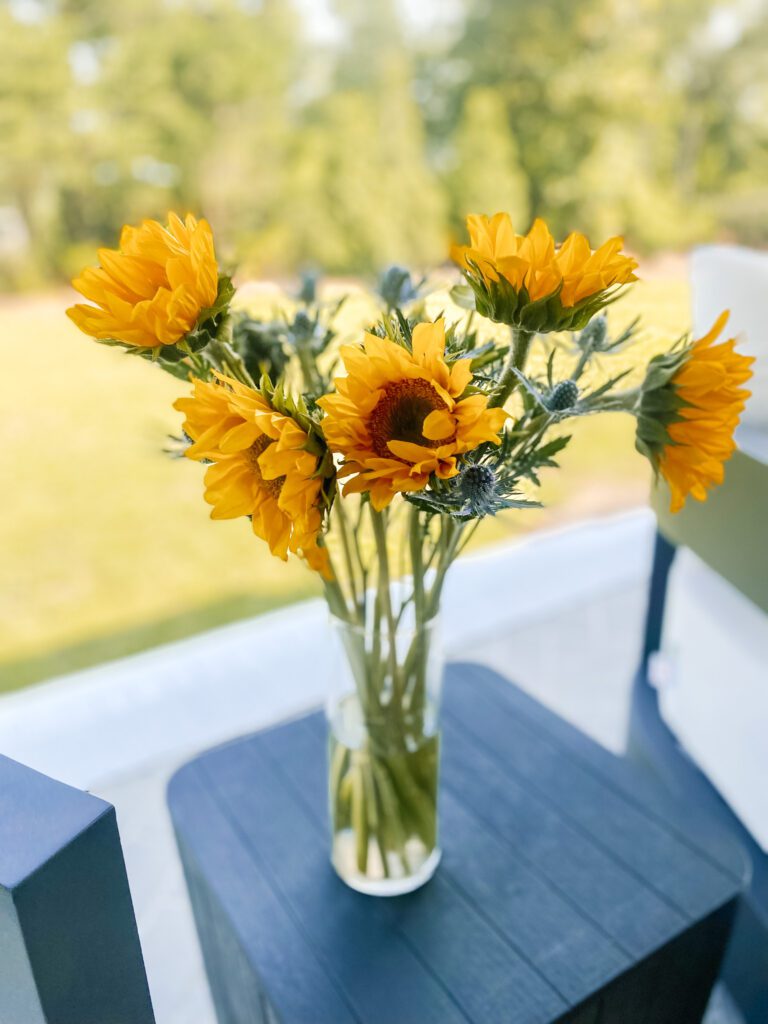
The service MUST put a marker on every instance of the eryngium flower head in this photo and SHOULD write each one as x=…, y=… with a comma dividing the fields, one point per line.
x=481, y=489
x=564, y=395
x=477, y=484
x=528, y=282
x=594, y=334
x=152, y=290
x=689, y=409
x=396, y=286
x=307, y=292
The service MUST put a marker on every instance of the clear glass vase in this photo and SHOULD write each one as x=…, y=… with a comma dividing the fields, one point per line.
x=384, y=754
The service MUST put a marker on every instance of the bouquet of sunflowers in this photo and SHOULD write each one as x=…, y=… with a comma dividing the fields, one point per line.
x=375, y=461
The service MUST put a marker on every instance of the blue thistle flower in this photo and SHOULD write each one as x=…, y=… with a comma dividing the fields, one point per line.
x=563, y=396
x=477, y=486
x=302, y=325
x=396, y=286
x=307, y=292
x=594, y=334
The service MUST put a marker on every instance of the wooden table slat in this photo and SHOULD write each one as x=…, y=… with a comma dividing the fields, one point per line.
x=609, y=896
x=640, y=790
x=637, y=841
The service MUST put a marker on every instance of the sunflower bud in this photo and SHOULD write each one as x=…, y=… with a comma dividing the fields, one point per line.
x=529, y=283
x=159, y=289
x=689, y=408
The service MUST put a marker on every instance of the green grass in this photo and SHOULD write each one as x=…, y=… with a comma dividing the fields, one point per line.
x=107, y=545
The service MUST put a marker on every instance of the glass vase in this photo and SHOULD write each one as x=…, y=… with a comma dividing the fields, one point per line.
x=384, y=754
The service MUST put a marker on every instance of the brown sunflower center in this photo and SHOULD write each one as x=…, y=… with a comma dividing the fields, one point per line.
x=400, y=413
x=272, y=487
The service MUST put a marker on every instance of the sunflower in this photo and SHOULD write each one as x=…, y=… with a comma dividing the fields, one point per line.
x=152, y=289
x=264, y=466
x=398, y=416
x=526, y=281
x=689, y=409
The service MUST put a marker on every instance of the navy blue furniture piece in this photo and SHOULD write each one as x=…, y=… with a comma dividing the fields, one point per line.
x=727, y=533
x=69, y=949
x=572, y=888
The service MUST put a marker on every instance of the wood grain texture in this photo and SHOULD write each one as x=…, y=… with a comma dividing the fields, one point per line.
x=570, y=889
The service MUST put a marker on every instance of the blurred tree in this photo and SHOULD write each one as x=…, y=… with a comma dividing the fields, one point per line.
x=531, y=54
x=485, y=174
x=359, y=191
x=151, y=107
x=628, y=116
x=368, y=145
x=35, y=139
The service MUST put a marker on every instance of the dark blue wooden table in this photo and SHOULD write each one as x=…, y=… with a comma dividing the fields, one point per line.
x=570, y=889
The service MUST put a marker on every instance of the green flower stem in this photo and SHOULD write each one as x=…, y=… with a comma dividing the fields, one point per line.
x=358, y=602
x=359, y=817
x=450, y=536
x=417, y=563
x=623, y=401
x=377, y=824
x=393, y=832
x=385, y=797
x=229, y=361
x=403, y=771
x=415, y=666
x=313, y=381
x=334, y=595
x=581, y=365
x=516, y=360
x=385, y=593
x=466, y=536
x=200, y=368
x=384, y=791
x=537, y=428
x=415, y=663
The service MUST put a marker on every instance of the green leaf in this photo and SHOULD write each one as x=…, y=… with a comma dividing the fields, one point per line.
x=176, y=369
x=547, y=451
x=462, y=296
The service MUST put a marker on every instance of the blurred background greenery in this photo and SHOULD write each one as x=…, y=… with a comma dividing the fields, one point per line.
x=337, y=134
x=349, y=133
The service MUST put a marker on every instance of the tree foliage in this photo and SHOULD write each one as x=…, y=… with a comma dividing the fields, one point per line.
x=369, y=144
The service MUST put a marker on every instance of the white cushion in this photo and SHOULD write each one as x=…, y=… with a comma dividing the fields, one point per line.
x=731, y=277
x=714, y=685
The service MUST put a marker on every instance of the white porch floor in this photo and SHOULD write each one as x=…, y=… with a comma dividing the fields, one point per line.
x=559, y=613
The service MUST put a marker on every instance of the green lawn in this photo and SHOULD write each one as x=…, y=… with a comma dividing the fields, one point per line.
x=107, y=546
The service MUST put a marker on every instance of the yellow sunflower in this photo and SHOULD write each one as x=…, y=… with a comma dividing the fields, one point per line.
x=690, y=407
x=151, y=290
x=398, y=416
x=527, y=281
x=262, y=467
